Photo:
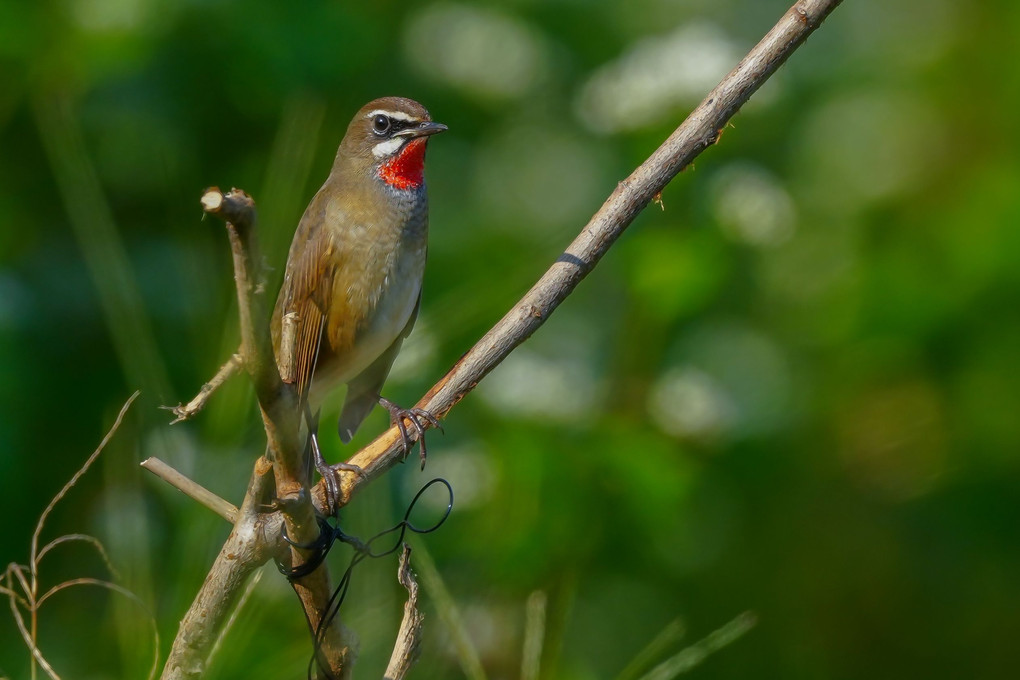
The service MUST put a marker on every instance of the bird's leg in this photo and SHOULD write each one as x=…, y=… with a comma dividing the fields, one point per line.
x=329, y=473
x=329, y=477
x=416, y=416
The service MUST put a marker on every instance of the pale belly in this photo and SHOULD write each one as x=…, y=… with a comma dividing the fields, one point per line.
x=396, y=303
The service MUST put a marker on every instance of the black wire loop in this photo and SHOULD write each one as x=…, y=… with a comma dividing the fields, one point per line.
x=329, y=534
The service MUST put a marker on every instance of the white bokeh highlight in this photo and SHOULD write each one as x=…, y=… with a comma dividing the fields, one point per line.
x=648, y=82
x=478, y=50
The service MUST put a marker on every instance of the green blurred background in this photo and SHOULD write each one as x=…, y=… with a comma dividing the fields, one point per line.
x=793, y=390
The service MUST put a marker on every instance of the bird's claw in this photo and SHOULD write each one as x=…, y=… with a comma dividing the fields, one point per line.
x=331, y=476
x=416, y=416
x=332, y=482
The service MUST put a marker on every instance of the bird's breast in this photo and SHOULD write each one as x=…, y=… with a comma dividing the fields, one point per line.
x=375, y=291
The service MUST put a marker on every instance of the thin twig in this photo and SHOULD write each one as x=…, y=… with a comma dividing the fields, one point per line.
x=122, y=591
x=29, y=584
x=29, y=638
x=10, y=592
x=407, y=647
x=18, y=570
x=191, y=488
x=34, y=551
x=186, y=411
x=85, y=538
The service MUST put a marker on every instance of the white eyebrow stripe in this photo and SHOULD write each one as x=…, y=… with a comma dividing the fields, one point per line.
x=389, y=147
x=396, y=115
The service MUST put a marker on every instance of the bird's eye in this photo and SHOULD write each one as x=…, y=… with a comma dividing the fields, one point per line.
x=381, y=124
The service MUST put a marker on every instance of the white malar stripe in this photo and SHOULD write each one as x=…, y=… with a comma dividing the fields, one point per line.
x=395, y=115
x=389, y=147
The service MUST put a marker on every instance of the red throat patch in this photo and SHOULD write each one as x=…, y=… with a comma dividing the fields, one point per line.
x=406, y=169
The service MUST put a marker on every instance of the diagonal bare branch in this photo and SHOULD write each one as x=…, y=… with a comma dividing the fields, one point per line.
x=191, y=488
x=698, y=132
x=183, y=412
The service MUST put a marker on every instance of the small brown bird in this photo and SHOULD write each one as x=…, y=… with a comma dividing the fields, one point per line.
x=355, y=269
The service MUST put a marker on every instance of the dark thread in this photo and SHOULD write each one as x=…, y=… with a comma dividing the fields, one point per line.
x=330, y=534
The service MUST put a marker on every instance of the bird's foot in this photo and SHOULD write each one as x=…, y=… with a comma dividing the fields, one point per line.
x=416, y=416
x=330, y=476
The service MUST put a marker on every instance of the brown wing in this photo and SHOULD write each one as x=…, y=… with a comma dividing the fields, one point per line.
x=307, y=287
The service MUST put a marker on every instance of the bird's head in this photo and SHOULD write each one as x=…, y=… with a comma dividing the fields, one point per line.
x=389, y=136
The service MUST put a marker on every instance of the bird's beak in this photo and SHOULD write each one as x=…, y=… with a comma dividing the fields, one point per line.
x=424, y=129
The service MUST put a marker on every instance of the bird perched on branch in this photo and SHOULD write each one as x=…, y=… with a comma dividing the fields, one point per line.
x=353, y=278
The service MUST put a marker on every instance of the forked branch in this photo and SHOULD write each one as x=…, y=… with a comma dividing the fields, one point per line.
x=257, y=535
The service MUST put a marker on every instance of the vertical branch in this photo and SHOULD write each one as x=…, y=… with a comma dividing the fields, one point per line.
x=277, y=400
x=407, y=648
x=246, y=548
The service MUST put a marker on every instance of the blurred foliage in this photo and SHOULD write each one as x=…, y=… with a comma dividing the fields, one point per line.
x=792, y=390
